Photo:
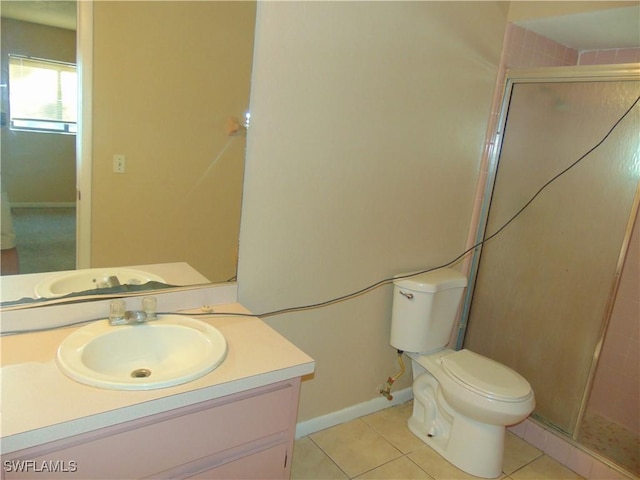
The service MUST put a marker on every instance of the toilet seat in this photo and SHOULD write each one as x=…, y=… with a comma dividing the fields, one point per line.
x=485, y=377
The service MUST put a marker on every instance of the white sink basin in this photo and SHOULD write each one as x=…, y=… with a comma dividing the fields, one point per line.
x=162, y=353
x=82, y=280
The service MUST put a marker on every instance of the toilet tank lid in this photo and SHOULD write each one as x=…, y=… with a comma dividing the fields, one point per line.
x=433, y=281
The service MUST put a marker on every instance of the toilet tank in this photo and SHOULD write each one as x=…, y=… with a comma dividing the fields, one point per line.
x=424, y=309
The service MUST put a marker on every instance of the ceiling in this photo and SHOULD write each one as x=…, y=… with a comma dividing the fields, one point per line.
x=57, y=13
x=598, y=30
x=603, y=29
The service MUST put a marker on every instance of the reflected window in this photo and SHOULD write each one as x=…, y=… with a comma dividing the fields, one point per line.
x=42, y=95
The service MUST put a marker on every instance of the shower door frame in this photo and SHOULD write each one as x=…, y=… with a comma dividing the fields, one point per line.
x=514, y=77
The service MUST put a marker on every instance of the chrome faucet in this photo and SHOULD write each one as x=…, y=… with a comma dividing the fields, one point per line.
x=108, y=282
x=119, y=315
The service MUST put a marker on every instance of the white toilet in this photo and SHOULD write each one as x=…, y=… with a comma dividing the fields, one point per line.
x=462, y=401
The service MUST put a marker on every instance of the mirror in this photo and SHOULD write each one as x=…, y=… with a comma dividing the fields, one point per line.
x=170, y=89
x=38, y=289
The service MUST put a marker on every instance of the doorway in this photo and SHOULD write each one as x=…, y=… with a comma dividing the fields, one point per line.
x=39, y=141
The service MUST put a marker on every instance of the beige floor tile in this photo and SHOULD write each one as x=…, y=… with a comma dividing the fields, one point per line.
x=517, y=453
x=436, y=466
x=391, y=423
x=311, y=463
x=401, y=468
x=355, y=447
x=544, y=468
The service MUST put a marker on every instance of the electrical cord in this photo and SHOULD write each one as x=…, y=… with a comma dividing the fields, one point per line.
x=388, y=280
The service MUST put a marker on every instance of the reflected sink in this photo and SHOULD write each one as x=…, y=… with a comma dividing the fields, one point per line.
x=82, y=280
x=165, y=352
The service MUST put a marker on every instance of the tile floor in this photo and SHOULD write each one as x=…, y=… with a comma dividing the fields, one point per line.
x=380, y=446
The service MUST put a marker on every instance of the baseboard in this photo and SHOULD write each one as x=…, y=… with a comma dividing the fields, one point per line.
x=43, y=204
x=316, y=424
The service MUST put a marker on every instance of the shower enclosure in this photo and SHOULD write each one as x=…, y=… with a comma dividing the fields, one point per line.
x=546, y=283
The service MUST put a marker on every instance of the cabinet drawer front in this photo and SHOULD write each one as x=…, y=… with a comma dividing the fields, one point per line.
x=141, y=451
x=265, y=465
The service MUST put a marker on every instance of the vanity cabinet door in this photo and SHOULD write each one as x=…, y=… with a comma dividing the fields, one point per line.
x=247, y=432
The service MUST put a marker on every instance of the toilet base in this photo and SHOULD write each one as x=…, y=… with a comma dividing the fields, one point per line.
x=474, y=447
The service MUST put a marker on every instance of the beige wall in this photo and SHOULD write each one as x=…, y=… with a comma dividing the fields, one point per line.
x=167, y=76
x=368, y=124
x=37, y=167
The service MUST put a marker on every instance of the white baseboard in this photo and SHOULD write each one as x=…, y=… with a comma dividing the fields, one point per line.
x=316, y=424
x=43, y=204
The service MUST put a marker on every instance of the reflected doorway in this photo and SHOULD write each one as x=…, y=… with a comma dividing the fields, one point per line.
x=45, y=238
x=38, y=135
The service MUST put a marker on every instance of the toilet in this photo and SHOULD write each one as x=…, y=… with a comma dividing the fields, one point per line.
x=462, y=401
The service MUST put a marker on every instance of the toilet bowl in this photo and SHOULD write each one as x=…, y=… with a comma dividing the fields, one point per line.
x=480, y=388
x=463, y=401
x=462, y=404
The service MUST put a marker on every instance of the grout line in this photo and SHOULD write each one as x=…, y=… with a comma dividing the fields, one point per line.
x=411, y=460
x=328, y=456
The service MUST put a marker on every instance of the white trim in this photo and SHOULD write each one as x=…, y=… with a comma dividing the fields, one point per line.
x=316, y=424
x=84, y=147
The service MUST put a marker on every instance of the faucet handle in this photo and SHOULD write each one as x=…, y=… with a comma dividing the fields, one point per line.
x=117, y=310
x=150, y=306
x=119, y=315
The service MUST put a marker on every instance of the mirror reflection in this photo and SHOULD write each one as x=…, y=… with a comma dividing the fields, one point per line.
x=38, y=147
x=37, y=289
x=169, y=94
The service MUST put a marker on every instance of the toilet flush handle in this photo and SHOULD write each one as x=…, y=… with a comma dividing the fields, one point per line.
x=408, y=295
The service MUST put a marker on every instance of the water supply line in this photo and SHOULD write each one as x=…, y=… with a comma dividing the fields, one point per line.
x=387, y=391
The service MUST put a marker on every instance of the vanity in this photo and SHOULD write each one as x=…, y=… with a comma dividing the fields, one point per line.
x=237, y=421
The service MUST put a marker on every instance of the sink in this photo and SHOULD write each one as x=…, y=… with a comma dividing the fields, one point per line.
x=82, y=280
x=165, y=352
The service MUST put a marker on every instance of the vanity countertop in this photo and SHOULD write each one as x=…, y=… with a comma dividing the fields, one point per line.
x=41, y=404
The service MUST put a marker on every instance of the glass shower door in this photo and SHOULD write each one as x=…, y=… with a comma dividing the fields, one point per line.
x=544, y=284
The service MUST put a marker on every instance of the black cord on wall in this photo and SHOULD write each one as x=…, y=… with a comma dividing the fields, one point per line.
x=386, y=281
x=389, y=280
